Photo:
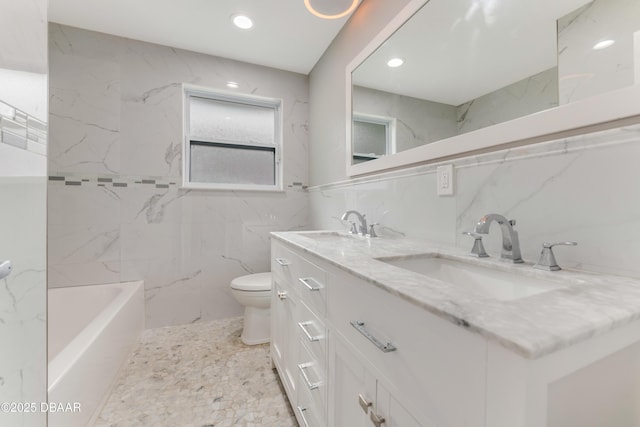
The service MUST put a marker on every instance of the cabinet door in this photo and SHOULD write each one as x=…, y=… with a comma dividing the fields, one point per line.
x=391, y=410
x=351, y=388
x=284, y=347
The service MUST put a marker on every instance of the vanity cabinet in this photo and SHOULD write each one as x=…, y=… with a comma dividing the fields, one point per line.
x=435, y=376
x=353, y=351
x=332, y=370
x=299, y=333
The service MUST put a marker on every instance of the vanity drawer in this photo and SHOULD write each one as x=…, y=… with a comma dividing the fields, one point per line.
x=312, y=386
x=309, y=280
x=312, y=332
x=437, y=367
x=282, y=262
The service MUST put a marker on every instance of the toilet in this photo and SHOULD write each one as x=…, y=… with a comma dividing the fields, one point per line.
x=254, y=293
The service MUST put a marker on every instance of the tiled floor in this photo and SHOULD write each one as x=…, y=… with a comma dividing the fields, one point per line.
x=197, y=375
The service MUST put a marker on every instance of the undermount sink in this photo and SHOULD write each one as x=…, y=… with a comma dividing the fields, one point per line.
x=486, y=280
x=331, y=236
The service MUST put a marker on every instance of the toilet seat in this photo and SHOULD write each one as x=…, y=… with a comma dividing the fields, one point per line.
x=258, y=282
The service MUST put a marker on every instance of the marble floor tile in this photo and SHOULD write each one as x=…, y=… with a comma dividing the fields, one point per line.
x=197, y=375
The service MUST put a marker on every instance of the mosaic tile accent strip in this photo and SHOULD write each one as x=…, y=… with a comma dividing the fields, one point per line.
x=21, y=130
x=197, y=375
x=111, y=181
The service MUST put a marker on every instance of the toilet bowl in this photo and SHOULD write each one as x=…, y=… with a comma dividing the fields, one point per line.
x=254, y=293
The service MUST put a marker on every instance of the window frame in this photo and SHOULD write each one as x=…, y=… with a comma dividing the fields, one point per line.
x=390, y=132
x=189, y=91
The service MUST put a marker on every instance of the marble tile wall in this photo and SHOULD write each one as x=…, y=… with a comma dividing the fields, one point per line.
x=23, y=358
x=419, y=121
x=116, y=212
x=583, y=188
x=585, y=72
x=536, y=93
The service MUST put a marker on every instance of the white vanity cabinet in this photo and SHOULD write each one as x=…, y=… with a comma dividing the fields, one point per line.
x=299, y=334
x=436, y=376
x=331, y=370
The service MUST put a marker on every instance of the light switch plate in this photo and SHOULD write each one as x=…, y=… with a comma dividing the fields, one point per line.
x=444, y=182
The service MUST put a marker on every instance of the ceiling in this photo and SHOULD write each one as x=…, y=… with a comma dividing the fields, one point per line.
x=285, y=35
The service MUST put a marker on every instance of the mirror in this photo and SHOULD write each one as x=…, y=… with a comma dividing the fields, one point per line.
x=470, y=65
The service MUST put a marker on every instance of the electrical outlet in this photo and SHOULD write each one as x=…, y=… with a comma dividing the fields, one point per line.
x=444, y=180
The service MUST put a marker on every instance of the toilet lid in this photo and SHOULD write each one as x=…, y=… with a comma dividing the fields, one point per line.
x=252, y=282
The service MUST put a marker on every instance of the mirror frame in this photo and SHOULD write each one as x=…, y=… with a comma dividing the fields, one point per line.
x=574, y=118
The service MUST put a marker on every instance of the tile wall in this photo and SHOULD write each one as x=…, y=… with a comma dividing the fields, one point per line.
x=116, y=209
x=23, y=294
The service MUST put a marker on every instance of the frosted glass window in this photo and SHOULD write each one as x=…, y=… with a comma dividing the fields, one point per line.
x=229, y=164
x=231, y=141
x=370, y=138
x=214, y=120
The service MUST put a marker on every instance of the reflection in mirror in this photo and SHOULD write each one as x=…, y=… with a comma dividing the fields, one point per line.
x=469, y=64
x=373, y=136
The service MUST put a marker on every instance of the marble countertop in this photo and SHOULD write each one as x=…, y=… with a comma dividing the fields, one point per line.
x=584, y=305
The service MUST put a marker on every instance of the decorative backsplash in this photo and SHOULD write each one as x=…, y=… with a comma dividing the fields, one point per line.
x=22, y=130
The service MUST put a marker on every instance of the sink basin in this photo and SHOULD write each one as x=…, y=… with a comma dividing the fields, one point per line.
x=331, y=236
x=487, y=281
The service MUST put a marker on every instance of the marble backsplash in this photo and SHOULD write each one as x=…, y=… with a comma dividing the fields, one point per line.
x=116, y=212
x=583, y=188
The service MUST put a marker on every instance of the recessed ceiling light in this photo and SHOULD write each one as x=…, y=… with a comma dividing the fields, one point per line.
x=233, y=85
x=331, y=9
x=603, y=44
x=395, y=62
x=242, y=21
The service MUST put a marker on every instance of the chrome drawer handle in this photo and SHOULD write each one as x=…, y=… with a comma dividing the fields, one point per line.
x=302, y=410
x=303, y=326
x=364, y=403
x=283, y=262
x=315, y=286
x=282, y=295
x=386, y=348
x=377, y=420
x=303, y=367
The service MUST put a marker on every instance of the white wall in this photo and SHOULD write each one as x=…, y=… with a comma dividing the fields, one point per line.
x=583, y=189
x=585, y=72
x=116, y=113
x=23, y=226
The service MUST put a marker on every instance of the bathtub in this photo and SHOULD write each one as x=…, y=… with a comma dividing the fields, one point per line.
x=91, y=332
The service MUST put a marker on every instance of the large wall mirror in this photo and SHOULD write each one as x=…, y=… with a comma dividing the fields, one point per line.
x=453, y=76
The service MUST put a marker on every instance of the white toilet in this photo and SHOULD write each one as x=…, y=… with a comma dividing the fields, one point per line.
x=254, y=293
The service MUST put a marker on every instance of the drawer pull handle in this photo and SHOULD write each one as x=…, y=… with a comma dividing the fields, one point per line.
x=282, y=295
x=302, y=410
x=386, y=348
x=283, y=262
x=377, y=420
x=315, y=286
x=303, y=326
x=303, y=367
x=364, y=403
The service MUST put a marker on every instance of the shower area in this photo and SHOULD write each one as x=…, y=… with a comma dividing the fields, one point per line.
x=23, y=207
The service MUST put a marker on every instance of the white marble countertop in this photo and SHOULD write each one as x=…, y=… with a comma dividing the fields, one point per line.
x=584, y=305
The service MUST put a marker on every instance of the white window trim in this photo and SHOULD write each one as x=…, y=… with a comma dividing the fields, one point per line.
x=389, y=124
x=193, y=90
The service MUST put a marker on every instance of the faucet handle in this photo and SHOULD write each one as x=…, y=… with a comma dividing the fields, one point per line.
x=372, y=230
x=354, y=228
x=478, y=247
x=547, y=260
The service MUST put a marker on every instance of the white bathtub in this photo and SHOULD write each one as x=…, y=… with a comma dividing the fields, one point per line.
x=91, y=332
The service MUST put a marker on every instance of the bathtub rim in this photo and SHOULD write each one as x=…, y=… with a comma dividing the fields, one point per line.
x=73, y=351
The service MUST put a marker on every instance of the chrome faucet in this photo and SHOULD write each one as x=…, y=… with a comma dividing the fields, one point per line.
x=363, y=222
x=5, y=268
x=510, y=243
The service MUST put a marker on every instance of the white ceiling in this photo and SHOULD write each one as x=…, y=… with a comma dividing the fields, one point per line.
x=459, y=50
x=285, y=34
